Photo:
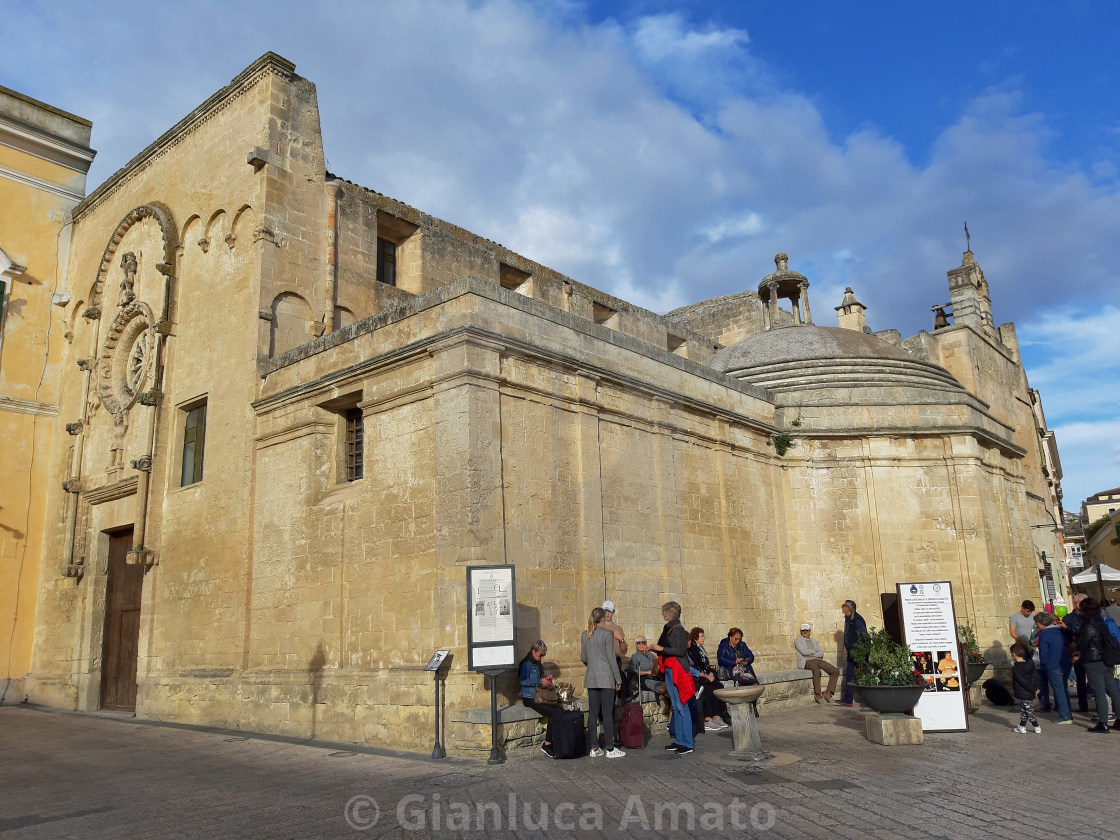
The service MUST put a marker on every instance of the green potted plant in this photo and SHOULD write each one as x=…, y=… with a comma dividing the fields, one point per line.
x=972, y=655
x=886, y=678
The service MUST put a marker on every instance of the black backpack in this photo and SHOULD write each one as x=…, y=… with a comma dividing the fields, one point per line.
x=1110, y=648
x=997, y=693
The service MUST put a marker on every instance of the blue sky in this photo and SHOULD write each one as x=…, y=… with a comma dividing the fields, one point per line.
x=665, y=151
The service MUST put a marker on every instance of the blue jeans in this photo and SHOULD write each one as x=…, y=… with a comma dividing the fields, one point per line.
x=1060, y=692
x=849, y=685
x=1042, y=683
x=681, y=727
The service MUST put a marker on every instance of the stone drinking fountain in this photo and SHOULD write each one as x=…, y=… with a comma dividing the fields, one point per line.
x=746, y=744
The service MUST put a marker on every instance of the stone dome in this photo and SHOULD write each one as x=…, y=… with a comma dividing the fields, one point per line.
x=802, y=357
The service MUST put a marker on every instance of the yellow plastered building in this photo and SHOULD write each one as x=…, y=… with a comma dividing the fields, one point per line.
x=44, y=158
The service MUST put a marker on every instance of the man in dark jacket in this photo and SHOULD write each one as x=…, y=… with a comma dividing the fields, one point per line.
x=854, y=629
x=1090, y=646
x=1072, y=623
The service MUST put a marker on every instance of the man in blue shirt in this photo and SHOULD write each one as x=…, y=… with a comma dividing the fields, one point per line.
x=854, y=628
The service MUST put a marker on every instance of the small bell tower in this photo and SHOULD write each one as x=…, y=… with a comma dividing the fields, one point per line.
x=968, y=291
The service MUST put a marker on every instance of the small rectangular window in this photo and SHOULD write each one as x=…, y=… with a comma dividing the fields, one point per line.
x=515, y=280
x=605, y=315
x=354, y=444
x=386, y=262
x=194, y=444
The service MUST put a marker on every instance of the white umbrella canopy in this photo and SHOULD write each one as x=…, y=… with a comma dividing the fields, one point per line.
x=1090, y=575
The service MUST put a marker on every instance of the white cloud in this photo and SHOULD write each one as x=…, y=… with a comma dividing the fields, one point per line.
x=746, y=225
x=1073, y=359
x=654, y=158
x=664, y=36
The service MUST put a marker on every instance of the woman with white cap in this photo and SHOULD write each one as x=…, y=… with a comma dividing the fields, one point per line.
x=811, y=657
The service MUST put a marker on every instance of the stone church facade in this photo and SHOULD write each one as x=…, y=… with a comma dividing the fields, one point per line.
x=293, y=410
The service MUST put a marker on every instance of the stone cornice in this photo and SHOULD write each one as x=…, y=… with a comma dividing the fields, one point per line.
x=494, y=292
x=903, y=431
x=42, y=144
x=17, y=406
x=111, y=492
x=422, y=348
x=40, y=184
x=267, y=64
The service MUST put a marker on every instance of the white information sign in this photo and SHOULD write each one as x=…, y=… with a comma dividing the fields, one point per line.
x=929, y=628
x=491, y=610
x=1074, y=558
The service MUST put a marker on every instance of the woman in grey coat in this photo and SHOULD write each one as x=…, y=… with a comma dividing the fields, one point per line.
x=596, y=649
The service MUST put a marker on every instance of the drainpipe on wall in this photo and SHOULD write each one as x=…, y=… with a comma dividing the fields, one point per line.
x=330, y=299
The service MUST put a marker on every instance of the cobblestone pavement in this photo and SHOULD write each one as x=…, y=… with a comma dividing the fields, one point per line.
x=64, y=774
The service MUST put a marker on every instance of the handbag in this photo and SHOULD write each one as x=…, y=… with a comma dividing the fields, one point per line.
x=547, y=695
x=743, y=675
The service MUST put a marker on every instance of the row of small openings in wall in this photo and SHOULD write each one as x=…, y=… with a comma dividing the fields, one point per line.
x=397, y=252
x=349, y=449
x=608, y=317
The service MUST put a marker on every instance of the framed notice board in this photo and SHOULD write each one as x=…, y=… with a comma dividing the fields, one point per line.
x=491, y=614
x=929, y=629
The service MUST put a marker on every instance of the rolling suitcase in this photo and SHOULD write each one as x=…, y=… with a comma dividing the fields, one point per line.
x=631, y=729
x=568, y=734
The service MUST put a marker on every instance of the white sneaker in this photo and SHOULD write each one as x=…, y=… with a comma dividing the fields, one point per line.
x=1038, y=730
x=1022, y=730
x=615, y=753
x=715, y=724
x=598, y=753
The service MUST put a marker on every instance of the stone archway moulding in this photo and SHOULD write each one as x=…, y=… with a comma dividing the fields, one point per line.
x=162, y=216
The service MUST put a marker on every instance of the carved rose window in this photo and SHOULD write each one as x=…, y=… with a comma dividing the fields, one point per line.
x=137, y=363
x=126, y=358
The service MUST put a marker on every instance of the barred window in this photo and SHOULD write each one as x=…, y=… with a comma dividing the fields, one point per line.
x=354, y=444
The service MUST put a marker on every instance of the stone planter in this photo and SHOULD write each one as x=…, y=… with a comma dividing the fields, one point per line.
x=976, y=671
x=890, y=699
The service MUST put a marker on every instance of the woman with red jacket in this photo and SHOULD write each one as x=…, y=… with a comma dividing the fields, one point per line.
x=673, y=647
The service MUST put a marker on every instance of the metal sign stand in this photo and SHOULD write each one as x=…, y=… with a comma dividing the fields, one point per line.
x=491, y=633
x=434, y=665
x=496, y=756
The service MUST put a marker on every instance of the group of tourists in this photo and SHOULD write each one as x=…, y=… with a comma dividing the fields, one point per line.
x=676, y=666
x=1051, y=650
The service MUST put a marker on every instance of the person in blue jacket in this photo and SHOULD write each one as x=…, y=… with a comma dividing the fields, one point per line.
x=532, y=676
x=854, y=628
x=733, y=652
x=1055, y=662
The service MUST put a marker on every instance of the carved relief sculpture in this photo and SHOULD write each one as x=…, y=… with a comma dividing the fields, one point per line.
x=116, y=449
x=128, y=281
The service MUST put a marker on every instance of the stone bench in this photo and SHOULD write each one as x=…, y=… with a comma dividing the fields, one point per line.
x=521, y=729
